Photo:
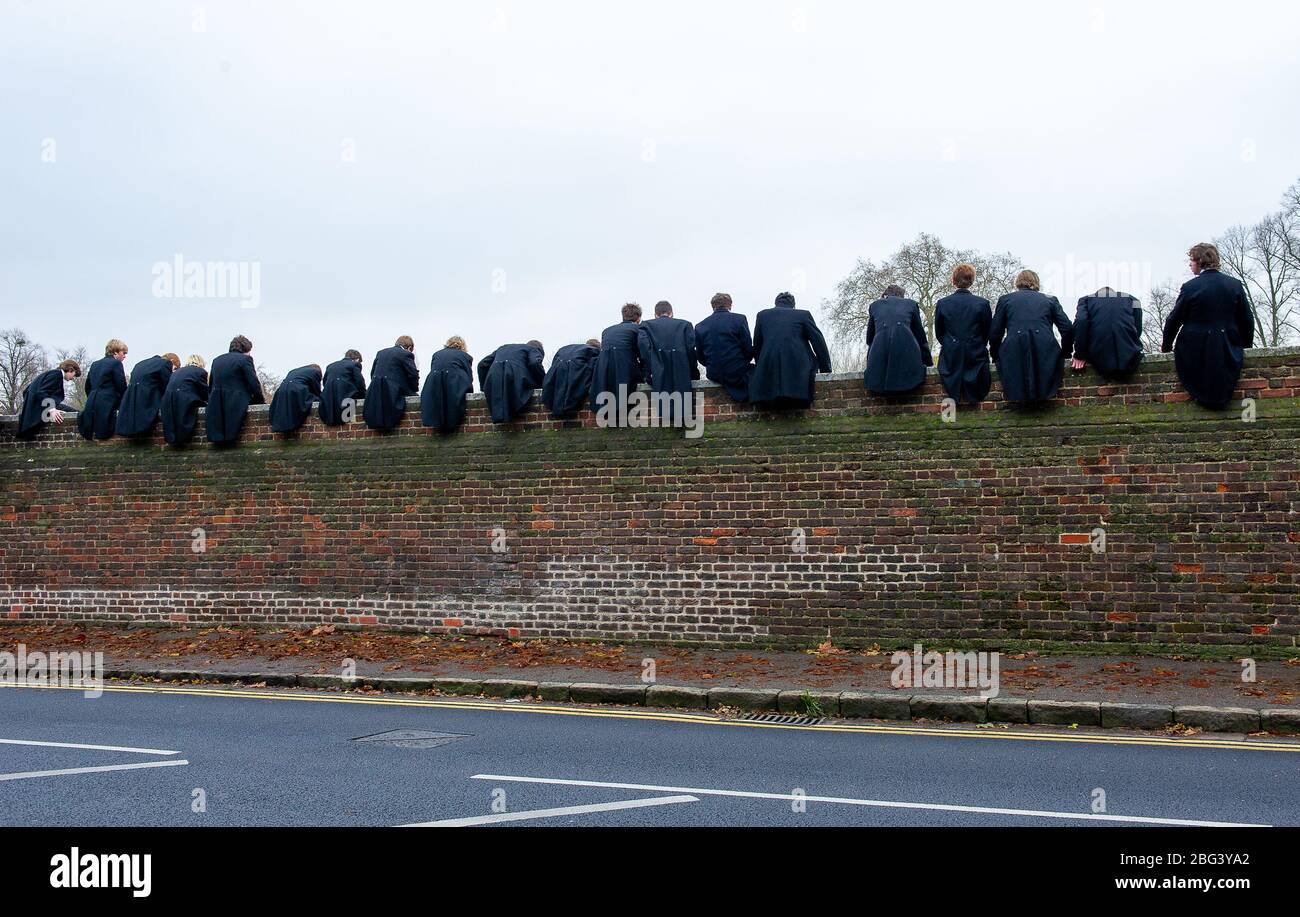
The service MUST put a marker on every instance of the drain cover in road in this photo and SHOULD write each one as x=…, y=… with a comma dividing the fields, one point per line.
x=784, y=720
x=412, y=738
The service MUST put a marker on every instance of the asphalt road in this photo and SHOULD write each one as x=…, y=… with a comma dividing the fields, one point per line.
x=263, y=758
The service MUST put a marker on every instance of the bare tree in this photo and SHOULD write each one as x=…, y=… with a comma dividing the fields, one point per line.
x=1289, y=226
x=1291, y=199
x=270, y=381
x=75, y=394
x=21, y=361
x=846, y=313
x=1155, y=311
x=1234, y=251
x=1279, y=280
x=848, y=353
x=1260, y=256
x=923, y=267
x=995, y=274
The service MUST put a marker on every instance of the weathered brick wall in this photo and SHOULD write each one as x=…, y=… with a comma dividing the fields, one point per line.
x=976, y=532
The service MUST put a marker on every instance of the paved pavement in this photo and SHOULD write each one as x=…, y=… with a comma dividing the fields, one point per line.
x=149, y=756
x=1126, y=679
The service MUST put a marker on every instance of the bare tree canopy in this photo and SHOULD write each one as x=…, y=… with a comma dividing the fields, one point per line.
x=21, y=361
x=74, y=394
x=848, y=354
x=923, y=267
x=1265, y=257
x=270, y=381
x=1159, y=303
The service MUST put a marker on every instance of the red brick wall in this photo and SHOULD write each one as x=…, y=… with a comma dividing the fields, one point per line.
x=977, y=531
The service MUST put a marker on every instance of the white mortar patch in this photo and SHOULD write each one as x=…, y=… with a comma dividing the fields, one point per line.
x=583, y=596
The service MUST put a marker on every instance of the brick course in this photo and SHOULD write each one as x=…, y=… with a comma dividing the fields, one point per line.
x=862, y=520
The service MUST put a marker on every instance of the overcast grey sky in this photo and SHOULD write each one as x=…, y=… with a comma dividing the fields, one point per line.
x=515, y=170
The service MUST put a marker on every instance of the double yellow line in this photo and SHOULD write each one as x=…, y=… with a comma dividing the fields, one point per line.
x=993, y=731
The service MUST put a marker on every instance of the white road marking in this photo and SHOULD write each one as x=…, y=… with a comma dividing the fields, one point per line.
x=553, y=813
x=876, y=803
x=479, y=705
x=134, y=751
x=27, y=775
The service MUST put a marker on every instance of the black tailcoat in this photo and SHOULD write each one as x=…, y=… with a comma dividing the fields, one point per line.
x=723, y=346
x=961, y=326
x=1021, y=341
x=667, y=347
x=234, y=387
x=393, y=377
x=567, y=385
x=450, y=379
x=619, y=363
x=898, y=350
x=139, y=409
x=46, y=390
x=343, y=380
x=292, y=401
x=1108, y=333
x=105, y=385
x=187, y=391
x=508, y=377
x=789, y=350
x=1208, y=331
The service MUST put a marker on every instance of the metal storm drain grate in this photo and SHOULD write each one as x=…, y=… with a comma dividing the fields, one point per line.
x=411, y=738
x=783, y=718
